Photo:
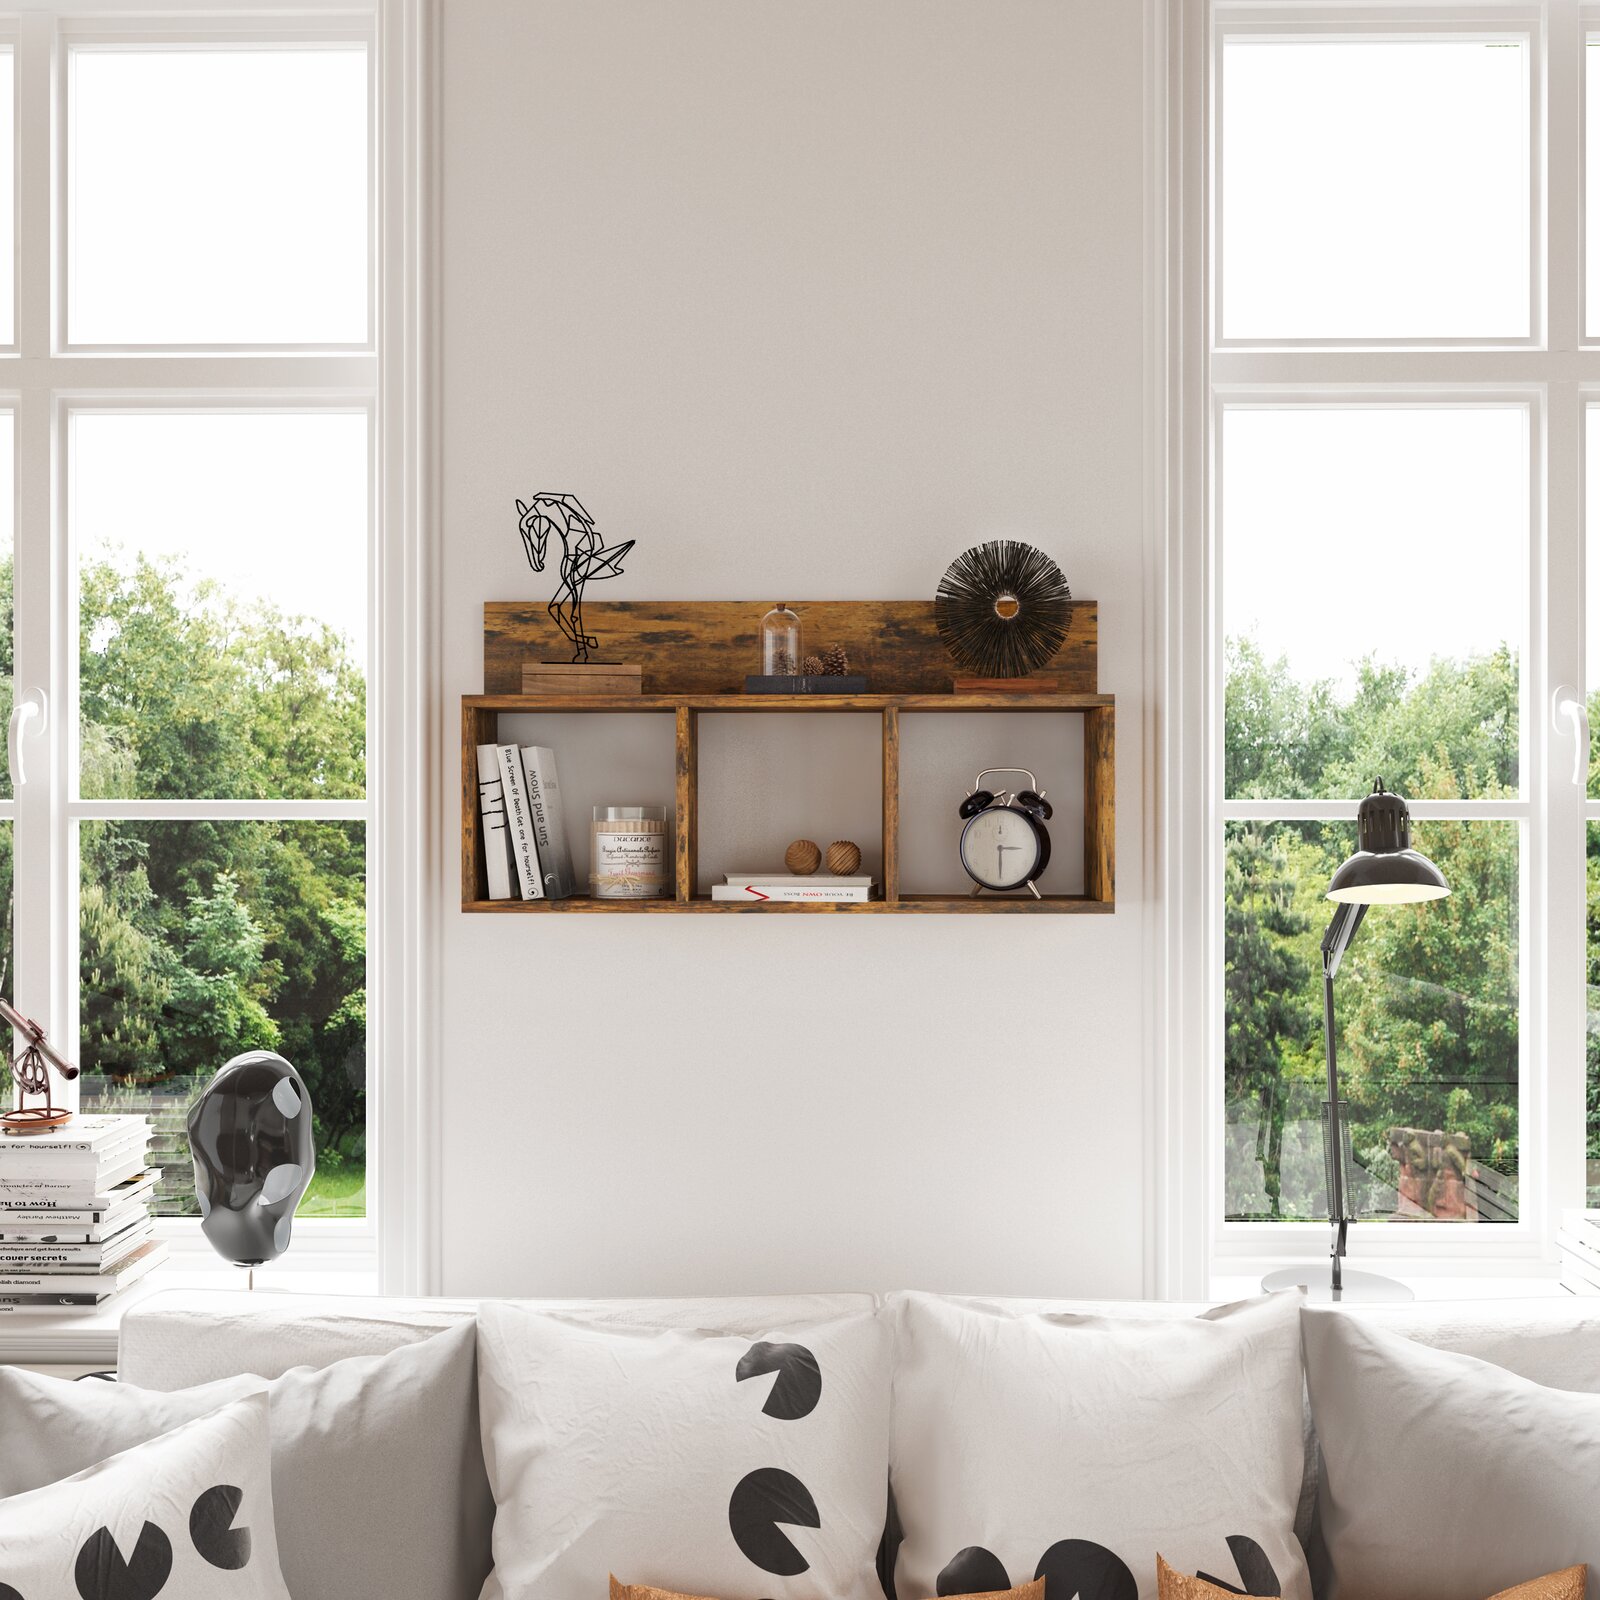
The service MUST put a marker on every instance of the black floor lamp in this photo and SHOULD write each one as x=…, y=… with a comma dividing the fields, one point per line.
x=1384, y=871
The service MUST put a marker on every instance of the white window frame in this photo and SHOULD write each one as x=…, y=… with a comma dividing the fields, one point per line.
x=45, y=382
x=1192, y=377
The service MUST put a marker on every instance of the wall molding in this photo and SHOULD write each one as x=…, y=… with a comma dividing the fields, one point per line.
x=403, y=1043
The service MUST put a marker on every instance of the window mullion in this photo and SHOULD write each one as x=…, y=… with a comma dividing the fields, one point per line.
x=42, y=978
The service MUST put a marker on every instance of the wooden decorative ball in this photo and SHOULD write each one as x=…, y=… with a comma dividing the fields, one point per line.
x=802, y=857
x=843, y=858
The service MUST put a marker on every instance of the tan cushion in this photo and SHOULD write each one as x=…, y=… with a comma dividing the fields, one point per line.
x=1569, y=1585
x=1023, y=1591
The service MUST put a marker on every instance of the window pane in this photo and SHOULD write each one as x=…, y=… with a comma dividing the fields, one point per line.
x=7, y=975
x=1427, y=1030
x=1591, y=656
x=1375, y=189
x=222, y=603
x=1591, y=200
x=8, y=205
x=1592, y=1039
x=203, y=939
x=7, y=572
x=1374, y=579
x=218, y=196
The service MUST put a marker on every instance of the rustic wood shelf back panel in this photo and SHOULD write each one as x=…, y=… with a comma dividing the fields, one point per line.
x=708, y=646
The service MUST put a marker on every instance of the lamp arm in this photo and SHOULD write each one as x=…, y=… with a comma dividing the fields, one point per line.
x=1347, y=918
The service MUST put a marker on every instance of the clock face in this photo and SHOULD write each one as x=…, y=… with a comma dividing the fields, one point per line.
x=1001, y=848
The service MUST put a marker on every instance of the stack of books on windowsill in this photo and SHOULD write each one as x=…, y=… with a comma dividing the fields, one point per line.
x=1578, y=1246
x=75, y=1220
x=788, y=886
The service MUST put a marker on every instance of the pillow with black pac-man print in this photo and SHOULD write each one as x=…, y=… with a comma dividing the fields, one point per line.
x=704, y=1463
x=187, y=1516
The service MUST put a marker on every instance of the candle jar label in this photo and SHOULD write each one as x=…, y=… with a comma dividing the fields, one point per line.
x=628, y=859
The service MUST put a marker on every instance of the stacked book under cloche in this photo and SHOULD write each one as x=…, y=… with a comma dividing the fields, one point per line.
x=76, y=1226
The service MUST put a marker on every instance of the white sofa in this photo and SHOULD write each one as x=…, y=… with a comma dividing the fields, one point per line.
x=180, y=1338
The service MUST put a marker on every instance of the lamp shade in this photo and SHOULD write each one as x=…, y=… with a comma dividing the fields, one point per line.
x=1385, y=870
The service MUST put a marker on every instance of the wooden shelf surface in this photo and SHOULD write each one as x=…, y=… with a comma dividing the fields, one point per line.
x=1060, y=904
x=549, y=704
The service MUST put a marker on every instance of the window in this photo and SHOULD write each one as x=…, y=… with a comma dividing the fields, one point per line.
x=205, y=442
x=1388, y=474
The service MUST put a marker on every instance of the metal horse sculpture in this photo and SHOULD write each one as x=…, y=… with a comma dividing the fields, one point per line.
x=583, y=558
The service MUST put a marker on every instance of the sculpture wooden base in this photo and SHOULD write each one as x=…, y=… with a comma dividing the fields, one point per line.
x=581, y=677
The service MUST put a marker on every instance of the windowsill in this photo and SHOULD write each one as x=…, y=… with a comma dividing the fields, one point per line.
x=1425, y=1286
x=48, y=1338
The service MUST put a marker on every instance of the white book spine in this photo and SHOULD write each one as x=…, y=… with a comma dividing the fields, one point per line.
x=148, y=1255
x=75, y=1166
x=492, y=808
x=757, y=893
x=1577, y=1245
x=549, y=819
x=519, y=823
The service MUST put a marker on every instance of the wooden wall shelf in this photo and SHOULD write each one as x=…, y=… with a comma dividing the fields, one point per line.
x=480, y=721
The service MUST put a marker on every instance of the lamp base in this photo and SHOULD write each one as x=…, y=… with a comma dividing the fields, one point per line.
x=1317, y=1280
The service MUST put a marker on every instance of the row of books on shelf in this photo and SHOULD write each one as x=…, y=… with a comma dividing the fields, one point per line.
x=524, y=826
x=76, y=1225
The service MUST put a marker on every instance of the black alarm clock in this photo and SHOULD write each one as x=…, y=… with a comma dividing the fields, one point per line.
x=1005, y=844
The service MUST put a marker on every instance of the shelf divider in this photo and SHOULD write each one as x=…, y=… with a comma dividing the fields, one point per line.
x=686, y=863
x=891, y=803
x=1100, y=804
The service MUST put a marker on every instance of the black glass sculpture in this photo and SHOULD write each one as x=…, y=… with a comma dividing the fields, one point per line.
x=1002, y=609
x=250, y=1137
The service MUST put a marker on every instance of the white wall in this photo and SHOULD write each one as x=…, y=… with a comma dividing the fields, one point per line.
x=806, y=297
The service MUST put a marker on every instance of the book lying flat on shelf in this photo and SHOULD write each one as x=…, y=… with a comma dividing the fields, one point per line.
x=821, y=880
x=74, y=1280
x=799, y=889
x=111, y=1224
x=39, y=1255
x=67, y=1304
x=83, y=1133
x=32, y=1161
x=25, y=1205
x=70, y=1188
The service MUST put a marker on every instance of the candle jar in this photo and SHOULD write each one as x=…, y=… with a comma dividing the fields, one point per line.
x=780, y=642
x=628, y=853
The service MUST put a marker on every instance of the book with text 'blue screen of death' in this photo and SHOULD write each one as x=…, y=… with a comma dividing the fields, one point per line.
x=519, y=824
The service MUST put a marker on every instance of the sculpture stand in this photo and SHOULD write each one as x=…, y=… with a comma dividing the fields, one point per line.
x=31, y=1069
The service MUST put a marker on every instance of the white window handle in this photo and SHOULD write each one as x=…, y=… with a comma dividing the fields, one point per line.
x=32, y=704
x=1567, y=706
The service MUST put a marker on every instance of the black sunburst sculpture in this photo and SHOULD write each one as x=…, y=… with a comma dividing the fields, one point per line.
x=1002, y=609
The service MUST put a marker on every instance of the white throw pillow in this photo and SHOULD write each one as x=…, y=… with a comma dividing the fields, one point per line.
x=1075, y=1447
x=187, y=1516
x=703, y=1462
x=1444, y=1475
x=377, y=1470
